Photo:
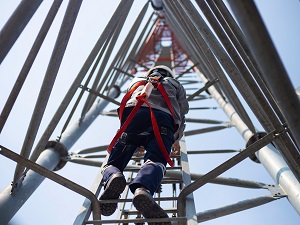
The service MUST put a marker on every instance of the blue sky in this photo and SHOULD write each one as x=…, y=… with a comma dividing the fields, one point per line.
x=53, y=204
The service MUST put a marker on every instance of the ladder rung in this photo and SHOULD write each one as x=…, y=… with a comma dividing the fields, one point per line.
x=135, y=212
x=138, y=220
x=130, y=200
x=140, y=157
x=171, y=181
x=168, y=168
x=165, y=181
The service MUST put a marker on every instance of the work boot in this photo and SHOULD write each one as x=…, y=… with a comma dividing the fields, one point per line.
x=145, y=204
x=114, y=187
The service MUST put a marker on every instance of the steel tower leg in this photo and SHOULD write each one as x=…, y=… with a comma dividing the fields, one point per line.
x=273, y=162
x=269, y=156
x=269, y=62
x=16, y=24
x=50, y=158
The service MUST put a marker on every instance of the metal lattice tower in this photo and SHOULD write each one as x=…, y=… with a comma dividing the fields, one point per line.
x=234, y=66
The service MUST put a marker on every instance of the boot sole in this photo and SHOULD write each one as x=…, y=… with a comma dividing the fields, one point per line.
x=114, y=188
x=145, y=204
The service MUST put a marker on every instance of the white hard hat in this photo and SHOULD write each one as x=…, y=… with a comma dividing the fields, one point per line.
x=161, y=68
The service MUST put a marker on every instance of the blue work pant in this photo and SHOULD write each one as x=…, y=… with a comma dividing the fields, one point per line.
x=150, y=174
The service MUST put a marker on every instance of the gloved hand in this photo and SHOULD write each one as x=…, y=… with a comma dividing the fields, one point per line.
x=176, y=148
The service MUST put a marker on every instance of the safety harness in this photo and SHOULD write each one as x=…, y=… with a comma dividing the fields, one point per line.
x=152, y=82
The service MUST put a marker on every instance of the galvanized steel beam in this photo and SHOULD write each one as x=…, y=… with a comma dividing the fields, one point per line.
x=76, y=83
x=49, y=161
x=16, y=24
x=267, y=155
x=28, y=63
x=208, y=63
x=269, y=63
x=71, y=135
x=9, y=207
x=48, y=82
x=234, y=208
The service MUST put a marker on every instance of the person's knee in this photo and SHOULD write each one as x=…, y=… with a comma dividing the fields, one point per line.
x=149, y=176
x=158, y=165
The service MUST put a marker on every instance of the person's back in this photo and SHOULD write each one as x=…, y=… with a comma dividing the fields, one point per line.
x=155, y=121
x=176, y=95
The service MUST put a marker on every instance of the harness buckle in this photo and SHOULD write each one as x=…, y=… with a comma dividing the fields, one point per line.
x=163, y=131
x=123, y=138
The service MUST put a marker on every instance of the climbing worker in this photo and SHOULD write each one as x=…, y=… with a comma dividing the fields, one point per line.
x=152, y=116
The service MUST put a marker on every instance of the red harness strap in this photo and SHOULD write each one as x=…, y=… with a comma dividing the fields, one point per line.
x=128, y=95
x=141, y=99
x=162, y=90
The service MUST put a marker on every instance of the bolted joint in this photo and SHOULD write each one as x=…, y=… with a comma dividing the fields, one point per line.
x=61, y=149
x=157, y=4
x=118, y=90
x=253, y=139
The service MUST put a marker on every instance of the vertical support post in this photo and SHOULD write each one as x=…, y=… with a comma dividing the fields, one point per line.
x=186, y=177
x=16, y=24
